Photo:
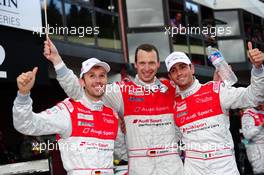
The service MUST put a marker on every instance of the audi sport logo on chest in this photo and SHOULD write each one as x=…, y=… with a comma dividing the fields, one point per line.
x=147, y=121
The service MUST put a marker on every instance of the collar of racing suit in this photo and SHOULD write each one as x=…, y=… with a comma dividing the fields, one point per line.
x=92, y=105
x=190, y=90
x=152, y=86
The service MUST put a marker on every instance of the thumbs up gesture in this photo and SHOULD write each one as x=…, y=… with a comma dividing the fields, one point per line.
x=25, y=81
x=255, y=55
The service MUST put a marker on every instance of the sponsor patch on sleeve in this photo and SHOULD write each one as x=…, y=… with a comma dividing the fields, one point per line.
x=53, y=110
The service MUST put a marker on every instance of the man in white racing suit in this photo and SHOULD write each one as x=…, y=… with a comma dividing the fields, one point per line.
x=145, y=105
x=86, y=128
x=252, y=128
x=201, y=113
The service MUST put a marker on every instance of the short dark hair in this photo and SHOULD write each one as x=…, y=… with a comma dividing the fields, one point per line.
x=147, y=48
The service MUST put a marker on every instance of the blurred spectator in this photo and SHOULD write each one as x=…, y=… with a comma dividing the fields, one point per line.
x=257, y=36
x=177, y=20
x=178, y=27
x=248, y=31
x=210, y=36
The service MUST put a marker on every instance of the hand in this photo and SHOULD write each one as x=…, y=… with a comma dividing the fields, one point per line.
x=262, y=124
x=25, y=81
x=216, y=76
x=51, y=52
x=255, y=55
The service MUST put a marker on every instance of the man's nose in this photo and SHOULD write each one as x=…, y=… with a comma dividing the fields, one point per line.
x=178, y=72
x=97, y=79
x=147, y=67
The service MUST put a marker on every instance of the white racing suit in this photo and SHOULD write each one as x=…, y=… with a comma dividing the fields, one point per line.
x=201, y=113
x=87, y=131
x=148, y=117
x=254, y=133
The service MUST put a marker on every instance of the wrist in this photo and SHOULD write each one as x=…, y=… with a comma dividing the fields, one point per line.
x=23, y=92
x=57, y=60
x=258, y=71
x=22, y=99
x=258, y=66
x=59, y=66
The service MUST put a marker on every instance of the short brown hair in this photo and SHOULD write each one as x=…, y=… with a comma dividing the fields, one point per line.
x=147, y=48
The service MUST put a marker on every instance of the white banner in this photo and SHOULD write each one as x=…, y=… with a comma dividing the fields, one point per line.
x=22, y=14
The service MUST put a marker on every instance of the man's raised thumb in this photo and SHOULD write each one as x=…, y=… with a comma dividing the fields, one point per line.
x=250, y=46
x=35, y=70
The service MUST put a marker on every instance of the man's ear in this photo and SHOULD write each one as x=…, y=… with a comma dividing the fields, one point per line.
x=192, y=69
x=135, y=65
x=158, y=64
x=81, y=81
x=169, y=76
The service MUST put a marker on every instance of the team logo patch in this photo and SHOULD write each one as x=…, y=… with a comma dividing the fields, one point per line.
x=108, y=115
x=136, y=99
x=136, y=93
x=135, y=121
x=82, y=123
x=180, y=114
x=53, y=110
x=85, y=116
x=109, y=121
x=204, y=99
x=182, y=107
x=137, y=109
